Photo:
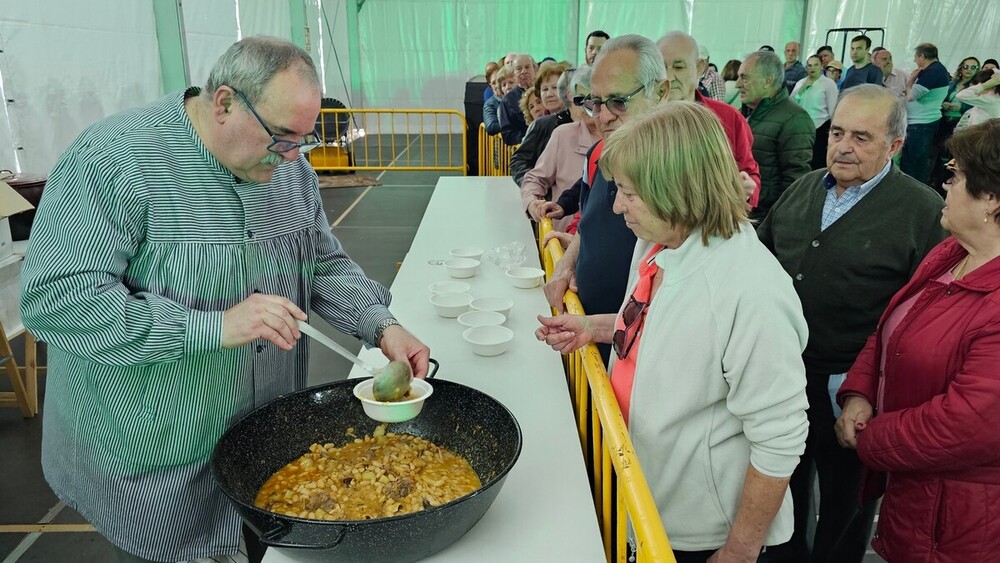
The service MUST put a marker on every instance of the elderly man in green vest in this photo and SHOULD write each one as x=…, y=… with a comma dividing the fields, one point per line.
x=850, y=236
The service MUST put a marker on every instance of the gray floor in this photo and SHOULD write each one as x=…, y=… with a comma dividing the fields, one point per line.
x=375, y=225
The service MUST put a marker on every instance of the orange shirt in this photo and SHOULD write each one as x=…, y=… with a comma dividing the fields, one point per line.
x=623, y=372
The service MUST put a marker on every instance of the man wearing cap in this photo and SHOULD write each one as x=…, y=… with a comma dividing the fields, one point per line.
x=710, y=84
x=794, y=71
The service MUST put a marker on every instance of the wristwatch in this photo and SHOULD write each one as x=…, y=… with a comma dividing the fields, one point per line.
x=380, y=329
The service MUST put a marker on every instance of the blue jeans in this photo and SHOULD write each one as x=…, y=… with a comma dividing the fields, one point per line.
x=916, y=159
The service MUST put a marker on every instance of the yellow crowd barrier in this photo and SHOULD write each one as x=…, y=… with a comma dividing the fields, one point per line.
x=621, y=493
x=389, y=139
x=494, y=154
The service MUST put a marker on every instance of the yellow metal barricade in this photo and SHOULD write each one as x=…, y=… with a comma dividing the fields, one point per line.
x=390, y=139
x=494, y=154
x=618, y=484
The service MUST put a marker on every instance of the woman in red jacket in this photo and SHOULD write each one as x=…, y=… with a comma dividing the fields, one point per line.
x=922, y=402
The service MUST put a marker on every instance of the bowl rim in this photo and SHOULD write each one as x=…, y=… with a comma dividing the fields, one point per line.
x=503, y=317
x=438, y=291
x=467, y=263
x=472, y=251
x=367, y=383
x=535, y=272
x=434, y=302
x=508, y=333
x=508, y=302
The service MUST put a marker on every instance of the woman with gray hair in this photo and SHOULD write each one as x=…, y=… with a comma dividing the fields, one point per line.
x=561, y=162
x=715, y=411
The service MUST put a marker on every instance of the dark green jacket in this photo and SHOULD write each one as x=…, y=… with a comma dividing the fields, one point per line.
x=783, y=137
x=846, y=274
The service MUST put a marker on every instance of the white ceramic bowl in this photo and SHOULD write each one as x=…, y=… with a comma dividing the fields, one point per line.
x=449, y=287
x=525, y=278
x=481, y=318
x=461, y=267
x=467, y=252
x=451, y=305
x=488, y=340
x=500, y=305
x=393, y=412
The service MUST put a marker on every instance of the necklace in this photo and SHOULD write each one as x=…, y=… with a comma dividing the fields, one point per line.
x=961, y=268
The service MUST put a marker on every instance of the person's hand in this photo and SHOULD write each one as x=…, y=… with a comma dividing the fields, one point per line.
x=551, y=209
x=914, y=75
x=270, y=317
x=557, y=285
x=563, y=238
x=854, y=418
x=565, y=333
x=749, y=186
x=533, y=210
x=398, y=344
x=727, y=554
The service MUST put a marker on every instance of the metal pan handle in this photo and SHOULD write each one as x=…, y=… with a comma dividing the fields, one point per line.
x=430, y=374
x=272, y=538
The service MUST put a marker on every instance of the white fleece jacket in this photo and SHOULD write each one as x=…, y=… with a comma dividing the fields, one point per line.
x=719, y=384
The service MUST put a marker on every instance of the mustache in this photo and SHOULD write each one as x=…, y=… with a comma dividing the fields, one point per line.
x=272, y=159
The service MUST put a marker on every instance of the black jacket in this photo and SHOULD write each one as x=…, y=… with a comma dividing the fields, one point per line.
x=534, y=142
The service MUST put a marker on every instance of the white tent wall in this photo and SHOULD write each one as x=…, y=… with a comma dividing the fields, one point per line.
x=66, y=64
x=728, y=28
x=959, y=28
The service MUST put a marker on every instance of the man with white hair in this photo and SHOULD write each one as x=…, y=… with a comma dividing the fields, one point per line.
x=850, y=236
x=628, y=79
x=709, y=81
x=680, y=52
x=783, y=132
x=512, y=124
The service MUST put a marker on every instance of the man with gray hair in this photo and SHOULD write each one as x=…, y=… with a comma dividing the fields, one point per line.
x=628, y=79
x=850, y=236
x=783, y=132
x=175, y=249
x=509, y=114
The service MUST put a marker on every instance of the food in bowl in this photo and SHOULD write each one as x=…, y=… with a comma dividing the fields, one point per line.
x=481, y=318
x=500, y=305
x=378, y=476
x=393, y=411
x=461, y=267
x=488, y=340
x=525, y=278
x=449, y=287
x=467, y=252
x=451, y=305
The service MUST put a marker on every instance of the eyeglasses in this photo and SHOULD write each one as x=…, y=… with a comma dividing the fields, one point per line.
x=631, y=315
x=578, y=100
x=970, y=67
x=617, y=105
x=279, y=145
x=952, y=168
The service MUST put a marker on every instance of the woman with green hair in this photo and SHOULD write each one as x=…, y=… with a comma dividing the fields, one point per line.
x=707, y=367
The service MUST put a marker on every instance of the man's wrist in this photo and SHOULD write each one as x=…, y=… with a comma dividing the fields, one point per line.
x=380, y=329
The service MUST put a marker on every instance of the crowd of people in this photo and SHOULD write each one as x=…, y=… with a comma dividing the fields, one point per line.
x=775, y=297
x=783, y=292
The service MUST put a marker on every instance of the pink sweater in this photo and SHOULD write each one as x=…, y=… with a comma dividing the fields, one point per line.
x=559, y=166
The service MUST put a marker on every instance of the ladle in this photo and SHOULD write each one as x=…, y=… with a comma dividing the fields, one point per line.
x=390, y=384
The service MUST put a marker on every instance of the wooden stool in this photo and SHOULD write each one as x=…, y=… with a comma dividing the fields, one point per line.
x=23, y=380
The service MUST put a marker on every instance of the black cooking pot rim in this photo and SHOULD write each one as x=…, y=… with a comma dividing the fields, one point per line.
x=497, y=478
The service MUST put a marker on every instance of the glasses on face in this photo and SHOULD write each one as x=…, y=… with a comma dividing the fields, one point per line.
x=578, y=100
x=952, y=168
x=617, y=105
x=279, y=145
x=631, y=315
x=970, y=67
